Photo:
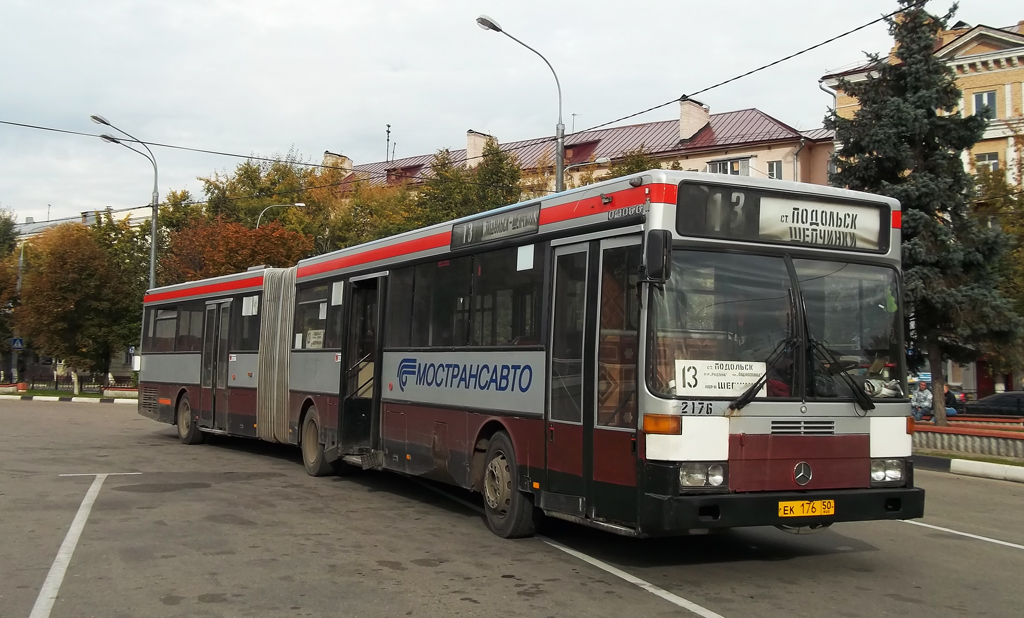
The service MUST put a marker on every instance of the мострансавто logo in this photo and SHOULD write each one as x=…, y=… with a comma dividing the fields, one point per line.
x=469, y=376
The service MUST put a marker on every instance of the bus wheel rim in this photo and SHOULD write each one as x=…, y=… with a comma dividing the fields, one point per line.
x=498, y=484
x=309, y=443
x=184, y=419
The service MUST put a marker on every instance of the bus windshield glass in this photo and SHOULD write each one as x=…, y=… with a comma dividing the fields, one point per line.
x=852, y=311
x=723, y=320
x=715, y=324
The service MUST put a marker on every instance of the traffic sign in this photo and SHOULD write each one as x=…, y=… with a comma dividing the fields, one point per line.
x=18, y=344
x=131, y=350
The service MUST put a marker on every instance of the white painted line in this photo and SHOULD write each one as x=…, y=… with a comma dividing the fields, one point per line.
x=100, y=474
x=636, y=581
x=48, y=593
x=967, y=534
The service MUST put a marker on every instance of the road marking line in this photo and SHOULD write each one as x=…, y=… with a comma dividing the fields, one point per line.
x=103, y=474
x=967, y=534
x=636, y=581
x=48, y=593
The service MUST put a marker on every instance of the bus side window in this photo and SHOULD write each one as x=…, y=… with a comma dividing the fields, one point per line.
x=506, y=298
x=400, y=294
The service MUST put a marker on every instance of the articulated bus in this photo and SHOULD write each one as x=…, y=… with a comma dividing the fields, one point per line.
x=660, y=354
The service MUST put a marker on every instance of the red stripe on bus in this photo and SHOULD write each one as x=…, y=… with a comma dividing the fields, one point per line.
x=382, y=253
x=897, y=219
x=213, y=288
x=620, y=199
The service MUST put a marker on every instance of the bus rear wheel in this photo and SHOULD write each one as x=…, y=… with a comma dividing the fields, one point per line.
x=188, y=430
x=510, y=513
x=312, y=451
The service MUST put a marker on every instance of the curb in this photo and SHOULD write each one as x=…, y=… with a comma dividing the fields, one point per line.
x=969, y=467
x=65, y=399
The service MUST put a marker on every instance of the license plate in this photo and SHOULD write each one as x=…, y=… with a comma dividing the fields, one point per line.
x=807, y=508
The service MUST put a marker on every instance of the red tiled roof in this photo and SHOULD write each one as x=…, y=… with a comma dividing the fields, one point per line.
x=743, y=127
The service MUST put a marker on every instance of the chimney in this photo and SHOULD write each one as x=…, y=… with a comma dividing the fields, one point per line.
x=337, y=160
x=693, y=116
x=475, y=142
x=29, y=220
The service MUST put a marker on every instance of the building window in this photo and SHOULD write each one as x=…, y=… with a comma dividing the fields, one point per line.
x=985, y=104
x=734, y=167
x=775, y=170
x=987, y=161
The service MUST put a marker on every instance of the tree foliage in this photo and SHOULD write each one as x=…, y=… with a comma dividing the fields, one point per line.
x=219, y=247
x=632, y=162
x=71, y=299
x=905, y=142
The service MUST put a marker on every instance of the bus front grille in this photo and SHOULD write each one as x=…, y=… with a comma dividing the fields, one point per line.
x=803, y=427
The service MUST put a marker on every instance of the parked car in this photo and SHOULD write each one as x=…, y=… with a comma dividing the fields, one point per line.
x=1000, y=404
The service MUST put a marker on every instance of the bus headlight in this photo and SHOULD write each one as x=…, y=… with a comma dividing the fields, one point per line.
x=709, y=475
x=888, y=471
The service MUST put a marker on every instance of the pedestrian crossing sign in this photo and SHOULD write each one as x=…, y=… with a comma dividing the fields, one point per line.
x=17, y=344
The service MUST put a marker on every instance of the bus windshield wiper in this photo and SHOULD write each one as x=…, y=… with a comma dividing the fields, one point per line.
x=780, y=352
x=863, y=400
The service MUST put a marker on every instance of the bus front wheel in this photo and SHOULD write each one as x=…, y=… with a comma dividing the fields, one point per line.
x=188, y=430
x=510, y=513
x=312, y=451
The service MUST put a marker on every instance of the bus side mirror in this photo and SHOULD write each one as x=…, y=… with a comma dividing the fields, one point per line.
x=658, y=255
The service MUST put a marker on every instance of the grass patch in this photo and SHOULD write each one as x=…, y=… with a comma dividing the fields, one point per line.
x=1009, y=461
x=53, y=393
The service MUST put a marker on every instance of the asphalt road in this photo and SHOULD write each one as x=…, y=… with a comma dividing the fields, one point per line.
x=236, y=528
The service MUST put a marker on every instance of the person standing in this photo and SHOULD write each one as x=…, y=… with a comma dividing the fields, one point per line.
x=921, y=401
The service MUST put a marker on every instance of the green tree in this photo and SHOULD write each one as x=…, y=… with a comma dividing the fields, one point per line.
x=1000, y=203
x=898, y=145
x=69, y=292
x=127, y=250
x=632, y=162
x=375, y=211
x=179, y=211
x=449, y=192
x=8, y=233
x=497, y=178
x=255, y=184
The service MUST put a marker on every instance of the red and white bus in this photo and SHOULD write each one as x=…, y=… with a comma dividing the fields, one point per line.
x=651, y=355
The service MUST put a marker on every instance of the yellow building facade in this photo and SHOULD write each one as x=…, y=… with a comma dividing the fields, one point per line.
x=989, y=67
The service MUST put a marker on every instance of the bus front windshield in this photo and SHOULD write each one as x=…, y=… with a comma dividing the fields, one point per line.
x=723, y=320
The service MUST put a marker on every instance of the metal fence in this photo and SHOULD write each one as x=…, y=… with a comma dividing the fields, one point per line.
x=87, y=384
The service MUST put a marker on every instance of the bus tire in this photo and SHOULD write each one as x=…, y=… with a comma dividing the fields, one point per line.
x=312, y=451
x=188, y=430
x=510, y=513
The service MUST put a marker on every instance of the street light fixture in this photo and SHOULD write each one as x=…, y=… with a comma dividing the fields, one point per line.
x=597, y=161
x=296, y=204
x=156, y=195
x=487, y=23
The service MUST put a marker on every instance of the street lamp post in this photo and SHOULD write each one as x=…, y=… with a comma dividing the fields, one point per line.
x=156, y=195
x=487, y=23
x=296, y=204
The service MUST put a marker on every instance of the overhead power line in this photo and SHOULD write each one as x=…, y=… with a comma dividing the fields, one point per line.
x=526, y=144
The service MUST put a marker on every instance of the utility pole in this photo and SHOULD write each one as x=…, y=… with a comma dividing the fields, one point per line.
x=16, y=333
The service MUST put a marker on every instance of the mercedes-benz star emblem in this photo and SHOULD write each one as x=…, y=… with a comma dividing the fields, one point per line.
x=802, y=473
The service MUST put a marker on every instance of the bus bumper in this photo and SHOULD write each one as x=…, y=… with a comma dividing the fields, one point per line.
x=669, y=515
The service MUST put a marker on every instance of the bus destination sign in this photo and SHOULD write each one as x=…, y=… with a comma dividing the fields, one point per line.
x=507, y=224
x=741, y=213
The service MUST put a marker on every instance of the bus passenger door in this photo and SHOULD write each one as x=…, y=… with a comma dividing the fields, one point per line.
x=613, y=492
x=360, y=395
x=213, y=389
x=567, y=396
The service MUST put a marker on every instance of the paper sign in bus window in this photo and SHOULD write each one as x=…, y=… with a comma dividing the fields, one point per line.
x=315, y=338
x=703, y=378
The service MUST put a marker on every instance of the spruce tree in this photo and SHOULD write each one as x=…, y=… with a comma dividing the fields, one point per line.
x=905, y=142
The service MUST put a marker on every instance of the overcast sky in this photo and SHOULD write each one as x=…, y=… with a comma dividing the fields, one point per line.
x=265, y=76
